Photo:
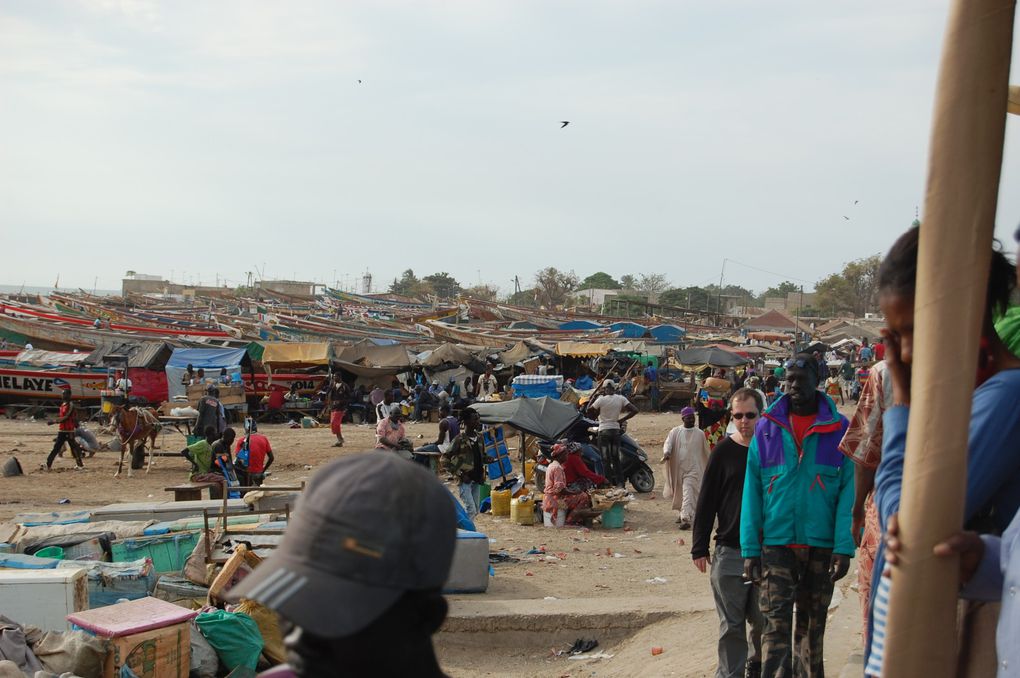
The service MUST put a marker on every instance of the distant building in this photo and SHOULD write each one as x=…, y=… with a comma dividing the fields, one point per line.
x=294, y=288
x=595, y=298
x=792, y=302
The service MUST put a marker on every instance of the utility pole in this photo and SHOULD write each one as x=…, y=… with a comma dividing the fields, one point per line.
x=796, y=330
x=718, y=308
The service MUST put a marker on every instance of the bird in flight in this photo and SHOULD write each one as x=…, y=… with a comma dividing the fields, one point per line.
x=847, y=218
x=359, y=82
x=564, y=123
x=855, y=201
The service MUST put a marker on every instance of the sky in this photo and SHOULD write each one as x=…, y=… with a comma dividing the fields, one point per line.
x=318, y=140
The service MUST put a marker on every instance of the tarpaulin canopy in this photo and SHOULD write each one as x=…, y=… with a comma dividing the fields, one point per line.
x=667, y=333
x=581, y=325
x=519, y=352
x=295, y=354
x=40, y=358
x=709, y=356
x=149, y=355
x=629, y=330
x=447, y=353
x=207, y=359
x=543, y=417
x=368, y=373
x=369, y=355
x=581, y=349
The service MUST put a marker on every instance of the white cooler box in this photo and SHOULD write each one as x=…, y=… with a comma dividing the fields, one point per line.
x=469, y=572
x=43, y=598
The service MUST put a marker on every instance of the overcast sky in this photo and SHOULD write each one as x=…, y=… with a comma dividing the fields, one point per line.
x=208, y=139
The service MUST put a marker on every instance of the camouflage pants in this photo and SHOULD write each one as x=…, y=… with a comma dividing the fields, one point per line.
x=794, y=578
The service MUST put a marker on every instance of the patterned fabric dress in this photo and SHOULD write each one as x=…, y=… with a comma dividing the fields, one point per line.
x=556, y=499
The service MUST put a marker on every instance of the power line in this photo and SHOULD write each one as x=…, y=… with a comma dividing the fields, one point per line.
x=778, y=275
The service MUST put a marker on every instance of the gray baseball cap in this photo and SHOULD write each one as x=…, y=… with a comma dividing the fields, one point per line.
x=367, y=529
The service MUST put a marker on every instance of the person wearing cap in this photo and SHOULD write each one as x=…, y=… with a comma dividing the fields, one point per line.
x=612, y=409
x=67, y=422
x=358, y=574
x=795, y=519
x=464, y=461
x=390, y=433
x=685, y=453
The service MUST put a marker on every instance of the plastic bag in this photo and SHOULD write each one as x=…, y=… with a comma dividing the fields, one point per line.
x=235, y=637
x=204, y=661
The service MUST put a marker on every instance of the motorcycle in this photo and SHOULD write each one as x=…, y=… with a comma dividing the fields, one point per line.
x=633, y=459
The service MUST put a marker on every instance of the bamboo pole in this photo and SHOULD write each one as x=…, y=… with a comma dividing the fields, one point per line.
x=963, y=179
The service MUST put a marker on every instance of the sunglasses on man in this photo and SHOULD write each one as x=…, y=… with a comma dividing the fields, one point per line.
x=741, y=415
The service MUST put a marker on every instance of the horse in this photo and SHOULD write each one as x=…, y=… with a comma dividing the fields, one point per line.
x=134, y=426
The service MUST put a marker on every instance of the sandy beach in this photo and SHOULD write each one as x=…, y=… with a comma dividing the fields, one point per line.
x=632, y=589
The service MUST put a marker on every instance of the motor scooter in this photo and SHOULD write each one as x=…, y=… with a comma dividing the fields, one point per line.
x=633, y=459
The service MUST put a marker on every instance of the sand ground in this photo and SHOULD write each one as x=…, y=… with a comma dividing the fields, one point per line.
x=603, y=584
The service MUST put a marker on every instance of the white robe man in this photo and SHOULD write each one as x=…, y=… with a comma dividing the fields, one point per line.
x=685, y=454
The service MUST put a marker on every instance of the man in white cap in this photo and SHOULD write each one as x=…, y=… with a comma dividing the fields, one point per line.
x=685, y=453
x=612, y=410
x=360, y=571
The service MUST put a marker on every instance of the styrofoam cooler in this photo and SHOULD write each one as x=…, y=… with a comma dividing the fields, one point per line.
x=469, y=572
x=43, y=598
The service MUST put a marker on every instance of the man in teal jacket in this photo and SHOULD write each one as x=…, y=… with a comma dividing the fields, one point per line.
x=795, y=520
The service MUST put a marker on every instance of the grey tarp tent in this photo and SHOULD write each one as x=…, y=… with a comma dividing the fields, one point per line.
x=546, y=418
x=709, y=355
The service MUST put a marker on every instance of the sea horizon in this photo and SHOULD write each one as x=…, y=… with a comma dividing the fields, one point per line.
x=48, y=289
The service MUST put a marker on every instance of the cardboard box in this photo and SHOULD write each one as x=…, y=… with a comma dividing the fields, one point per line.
x=159, y=653
x=230, y=394
x=148, y=635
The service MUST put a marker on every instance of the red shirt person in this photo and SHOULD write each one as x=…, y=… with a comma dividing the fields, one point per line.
x=67, y=422
x=575, y=469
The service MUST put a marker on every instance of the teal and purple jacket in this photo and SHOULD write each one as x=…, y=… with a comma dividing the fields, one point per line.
x=797, y=497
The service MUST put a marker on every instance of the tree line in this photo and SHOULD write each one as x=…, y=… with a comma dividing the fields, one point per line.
x=851, y=291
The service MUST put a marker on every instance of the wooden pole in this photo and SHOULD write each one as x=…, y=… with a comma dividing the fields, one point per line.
x=955, y=245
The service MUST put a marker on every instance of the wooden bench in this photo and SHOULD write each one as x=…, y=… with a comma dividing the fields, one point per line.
x=191, y=491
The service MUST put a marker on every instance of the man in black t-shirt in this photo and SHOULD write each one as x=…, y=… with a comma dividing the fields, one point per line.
x=722, y=488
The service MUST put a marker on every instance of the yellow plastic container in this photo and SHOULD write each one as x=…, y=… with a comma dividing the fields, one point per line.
x=500, y=502
x=522, y=511
x=529, y=470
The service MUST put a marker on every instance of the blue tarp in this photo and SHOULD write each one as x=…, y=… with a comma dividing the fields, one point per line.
x=630, y=330
x=208, y=359
x=667, y=334
x=580, y=325
x=19, y=561
x=547, y=389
